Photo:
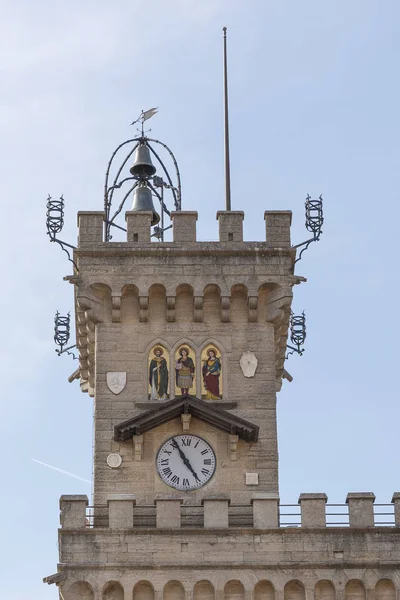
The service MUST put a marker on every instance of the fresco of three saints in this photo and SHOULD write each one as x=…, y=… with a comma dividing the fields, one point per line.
x=183, y=373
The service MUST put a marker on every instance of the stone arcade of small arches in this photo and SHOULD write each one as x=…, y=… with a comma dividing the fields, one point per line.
x=233, y=589
x=162, y=302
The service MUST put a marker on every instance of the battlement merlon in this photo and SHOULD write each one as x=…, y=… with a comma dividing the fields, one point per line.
x=277, y=227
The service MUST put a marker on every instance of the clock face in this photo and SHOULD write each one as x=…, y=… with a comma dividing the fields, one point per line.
x=186, y=462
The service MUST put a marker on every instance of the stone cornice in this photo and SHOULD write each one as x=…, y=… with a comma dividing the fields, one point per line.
x=265, y=566
x=327, y=532
x=186, y=249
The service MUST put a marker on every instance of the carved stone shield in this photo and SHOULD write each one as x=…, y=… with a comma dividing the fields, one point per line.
x=248, y=364
x=116, y=381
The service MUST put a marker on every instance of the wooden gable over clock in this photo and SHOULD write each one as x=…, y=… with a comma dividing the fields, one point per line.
x=221, y=419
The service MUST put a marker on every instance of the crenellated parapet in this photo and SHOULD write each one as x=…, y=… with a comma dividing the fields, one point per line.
x=264, y=511
x=138, y=223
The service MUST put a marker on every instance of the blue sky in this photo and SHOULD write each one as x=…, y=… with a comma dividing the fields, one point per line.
x=314, y=102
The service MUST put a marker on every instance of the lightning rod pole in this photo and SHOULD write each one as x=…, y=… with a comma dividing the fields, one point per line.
x=226, y=119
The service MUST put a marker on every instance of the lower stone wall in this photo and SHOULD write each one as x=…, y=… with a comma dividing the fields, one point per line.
x=276, y=564
x=233, y=584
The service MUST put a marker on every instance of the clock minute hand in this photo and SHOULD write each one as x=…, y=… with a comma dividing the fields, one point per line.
x=181, y=454
x=183, y=457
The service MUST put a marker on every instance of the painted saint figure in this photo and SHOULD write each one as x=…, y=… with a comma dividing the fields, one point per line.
x=211, y=374
x=184, y=371
x=158, y=376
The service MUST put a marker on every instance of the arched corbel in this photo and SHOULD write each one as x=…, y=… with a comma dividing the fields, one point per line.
x=171, y=302
x=116, y=309
x=198, y=302
x=225, y=309
x=87, y=301
x=278, y=302
x=252, y=303
x=144, y=309
x=278, y=313
x=90, y=327
x=89, y=312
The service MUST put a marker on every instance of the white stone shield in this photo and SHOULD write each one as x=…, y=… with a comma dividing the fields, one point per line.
x=248, y=364
x=116, y=381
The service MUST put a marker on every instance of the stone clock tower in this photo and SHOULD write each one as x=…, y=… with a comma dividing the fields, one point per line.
x=182, y=346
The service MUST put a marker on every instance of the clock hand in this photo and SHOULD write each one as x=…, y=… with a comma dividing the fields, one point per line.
x=183, y=457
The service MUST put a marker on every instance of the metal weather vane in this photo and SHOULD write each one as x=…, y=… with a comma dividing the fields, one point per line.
x=144, y=116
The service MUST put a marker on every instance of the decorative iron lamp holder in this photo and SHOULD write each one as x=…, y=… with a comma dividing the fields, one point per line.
x=314, y=222
x=297, y=334
x=55, y=223
x=62, y=334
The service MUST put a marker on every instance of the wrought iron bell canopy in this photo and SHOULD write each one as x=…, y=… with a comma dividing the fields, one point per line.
x=140, y=181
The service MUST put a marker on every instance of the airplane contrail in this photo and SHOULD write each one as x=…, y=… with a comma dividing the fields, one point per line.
x=61, y=471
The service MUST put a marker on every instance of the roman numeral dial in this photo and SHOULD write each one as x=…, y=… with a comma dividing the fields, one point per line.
x=186, y=462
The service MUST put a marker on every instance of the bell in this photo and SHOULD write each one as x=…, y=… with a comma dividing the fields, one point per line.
x=142, y=165
x=143, y=200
